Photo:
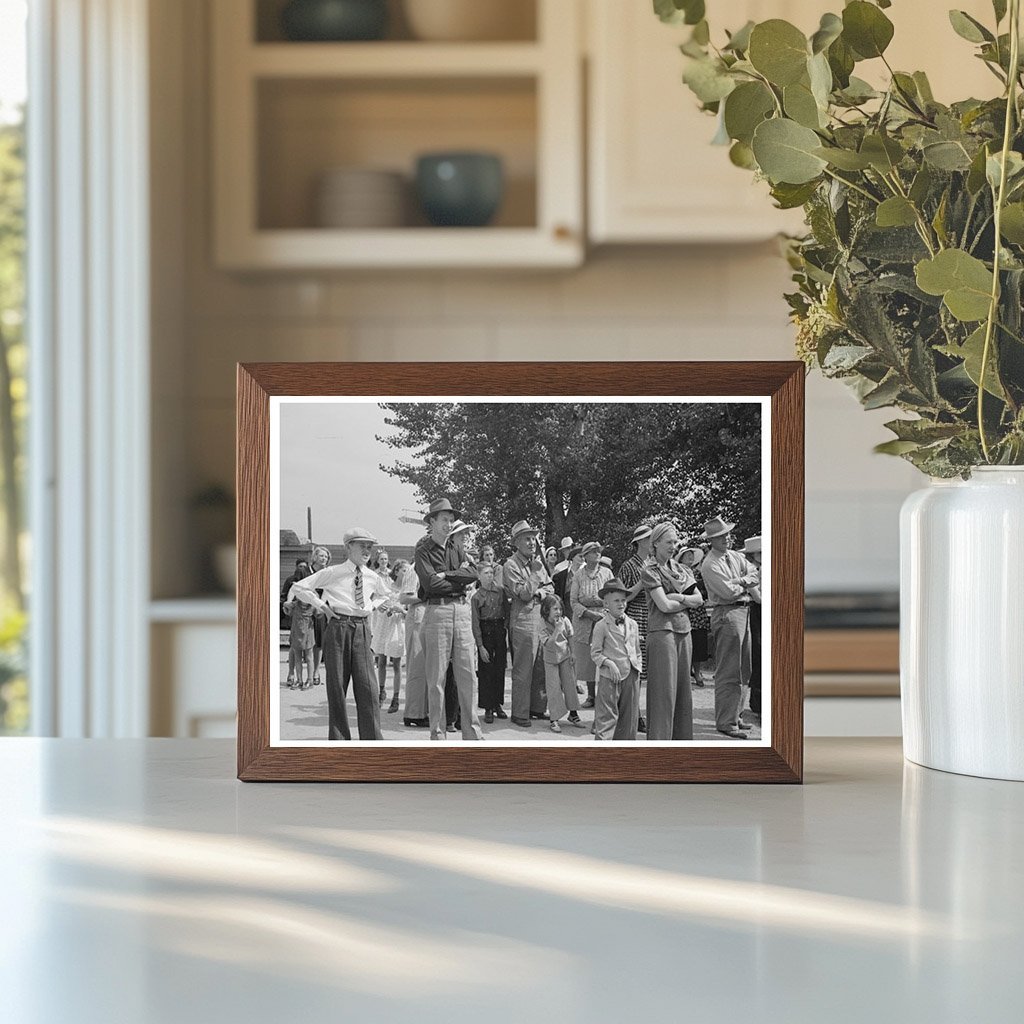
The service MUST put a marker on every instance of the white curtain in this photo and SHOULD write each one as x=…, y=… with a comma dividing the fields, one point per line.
x=88, y=320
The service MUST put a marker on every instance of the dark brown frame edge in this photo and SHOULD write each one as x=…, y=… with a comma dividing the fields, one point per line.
x=782, y=762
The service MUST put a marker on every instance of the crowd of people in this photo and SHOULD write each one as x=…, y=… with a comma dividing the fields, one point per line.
x=578, y=635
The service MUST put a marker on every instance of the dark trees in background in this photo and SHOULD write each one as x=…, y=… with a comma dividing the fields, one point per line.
x=589, y=470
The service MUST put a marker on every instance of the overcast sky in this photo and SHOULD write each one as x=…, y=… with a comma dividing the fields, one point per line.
x=330, y=460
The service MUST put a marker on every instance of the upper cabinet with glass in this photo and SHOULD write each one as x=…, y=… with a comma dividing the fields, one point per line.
x=383, y=133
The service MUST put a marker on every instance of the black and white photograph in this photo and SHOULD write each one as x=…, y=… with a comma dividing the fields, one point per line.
x=524, y=570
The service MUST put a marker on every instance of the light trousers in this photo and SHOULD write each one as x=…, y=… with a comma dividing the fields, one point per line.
x=560, y=684
x=669, y=696
x=448, y=639
x=730, y=625
x=617, y=707
x=528, y=687
x=415, y=664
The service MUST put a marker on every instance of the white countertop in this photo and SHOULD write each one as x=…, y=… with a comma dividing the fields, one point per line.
x=143, y=884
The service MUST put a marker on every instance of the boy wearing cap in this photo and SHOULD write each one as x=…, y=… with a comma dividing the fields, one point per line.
x=526, y=583
x=351, y=592
x=615, y=650
x=730, y=580
x=447, y=630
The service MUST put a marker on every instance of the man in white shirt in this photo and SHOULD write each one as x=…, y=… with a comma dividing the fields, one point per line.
x=730, y=579
x=350, y=593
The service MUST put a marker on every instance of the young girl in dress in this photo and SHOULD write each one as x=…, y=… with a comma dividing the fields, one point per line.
x=387, y=641
x=300, y=638
x=559, y=669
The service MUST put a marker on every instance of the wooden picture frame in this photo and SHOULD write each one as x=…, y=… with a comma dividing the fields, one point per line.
x=781, y=384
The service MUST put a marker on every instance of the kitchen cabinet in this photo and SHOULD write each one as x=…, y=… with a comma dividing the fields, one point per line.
x=653, y=175
x=286, y=113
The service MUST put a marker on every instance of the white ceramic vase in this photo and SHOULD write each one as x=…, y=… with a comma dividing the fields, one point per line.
x=962, y=624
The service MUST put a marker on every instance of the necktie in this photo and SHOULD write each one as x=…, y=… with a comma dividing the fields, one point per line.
x=620, y=622
x=359, y=587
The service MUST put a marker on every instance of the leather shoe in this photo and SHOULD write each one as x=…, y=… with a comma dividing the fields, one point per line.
x=733, y=734
x=523, y=723
x=588, y=703
x=489, y=716
x=539, y=716
x=499, y=712
x=641, y=725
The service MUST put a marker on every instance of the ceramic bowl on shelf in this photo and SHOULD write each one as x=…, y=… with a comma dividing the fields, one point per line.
x=460, y=189
x=331, y=21
x=471, y=20
x=361, y=198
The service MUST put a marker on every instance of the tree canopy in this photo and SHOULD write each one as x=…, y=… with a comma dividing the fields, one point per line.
x=594, y=471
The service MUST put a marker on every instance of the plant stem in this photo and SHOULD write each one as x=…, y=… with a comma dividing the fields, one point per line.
x=850, y=184
x=993, y=308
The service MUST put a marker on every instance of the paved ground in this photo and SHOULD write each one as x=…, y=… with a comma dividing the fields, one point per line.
x=304, y=717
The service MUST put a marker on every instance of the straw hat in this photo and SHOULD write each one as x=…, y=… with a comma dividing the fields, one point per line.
x=717, y=527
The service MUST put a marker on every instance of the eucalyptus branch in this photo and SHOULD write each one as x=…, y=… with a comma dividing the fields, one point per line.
x=993, y=308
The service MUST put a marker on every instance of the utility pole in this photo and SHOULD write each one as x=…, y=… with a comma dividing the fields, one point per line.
x=309, y=523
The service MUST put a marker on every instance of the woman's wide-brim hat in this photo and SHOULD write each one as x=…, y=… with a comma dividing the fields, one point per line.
x=591, y=545
x=605, y=560
x=442, y=505
x=358, y=533
x=717, y=527
x=752, y=546
x=698, y=555
x=641, y=533
x=613, y=586
x=567, y=542
x=459, y=527
x=523, y=527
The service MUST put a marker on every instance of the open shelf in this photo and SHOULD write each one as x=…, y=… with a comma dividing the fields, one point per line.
x=393, y=60
x=520, y=15
x=308, y=127
x=287, y=113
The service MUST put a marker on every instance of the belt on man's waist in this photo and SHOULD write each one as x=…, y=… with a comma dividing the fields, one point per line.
x=489, y=621
x=448, y=599
x=349, y=618
x=731, y=604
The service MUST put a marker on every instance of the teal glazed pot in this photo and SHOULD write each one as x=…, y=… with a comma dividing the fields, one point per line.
x=333, y=21
x=461, y=190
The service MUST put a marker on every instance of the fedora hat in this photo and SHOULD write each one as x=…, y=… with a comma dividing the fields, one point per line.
x=605, y=561
x=441, y=505
x=614, y=585
x=523, y=527
x=752, y=545
x=567, y=542
x=641, y=533
x=717, y=527
x=591, y=545
x=358, y=533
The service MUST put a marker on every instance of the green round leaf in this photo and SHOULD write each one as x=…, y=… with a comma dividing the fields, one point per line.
x=742, y=156
x=708, y=81
x=829, y=30
x=844, y=159
x=746, y=107
x=801, y=106
x=968, y=28
x=1011, y=225
x=963, y=281
x=866, y=29
x=895, y=212
x=785, y=152
x=779, y=51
